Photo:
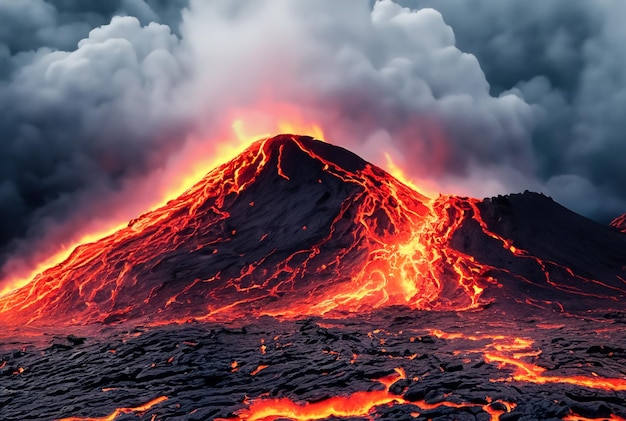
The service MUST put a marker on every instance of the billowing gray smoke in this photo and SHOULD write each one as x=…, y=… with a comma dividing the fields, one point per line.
x=98, y=99
x=565, y=59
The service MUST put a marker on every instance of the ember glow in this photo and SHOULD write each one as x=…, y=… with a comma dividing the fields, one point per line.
x=532, y=373
x=509, y=352
x=185, y=169
x=575, y=417
x=187, y=231
x=383, y=244
x=357, y=404
x=354, y=405
x=396, y=253
x=120, y=411
x=395, y=170
x=294, y=227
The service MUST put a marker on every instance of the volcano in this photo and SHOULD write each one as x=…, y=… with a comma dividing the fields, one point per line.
x=295, y=226
x=298, y=281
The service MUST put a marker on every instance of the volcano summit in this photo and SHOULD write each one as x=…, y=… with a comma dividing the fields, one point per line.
x=294, y=226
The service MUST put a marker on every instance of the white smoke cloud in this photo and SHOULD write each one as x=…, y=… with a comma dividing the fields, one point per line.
x=359, y=72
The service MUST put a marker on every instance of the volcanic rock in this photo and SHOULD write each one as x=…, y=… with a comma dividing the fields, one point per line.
x=387, y=303
x=192, y=366
x=297, y=226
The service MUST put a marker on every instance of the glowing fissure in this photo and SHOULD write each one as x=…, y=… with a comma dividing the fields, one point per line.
x=575, y=417
x=195, y=163
x=120, y=411
x=357, y=404
x=508, y=352
x=532, y=373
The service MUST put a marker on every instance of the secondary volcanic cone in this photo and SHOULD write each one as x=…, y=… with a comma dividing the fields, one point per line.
x=295, y=226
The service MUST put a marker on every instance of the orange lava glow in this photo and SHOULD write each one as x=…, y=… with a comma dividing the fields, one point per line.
x=396, y=249
x=532, y=373
x=353, y=405
x=496, y=413
x=120, y=411
x=258, y=369
x=401, y=235
x=508, y=351
x=403, y=268
x=357, y=404
x=186, y=175
x=575, y=417
x=57, y=257
x=395, y=170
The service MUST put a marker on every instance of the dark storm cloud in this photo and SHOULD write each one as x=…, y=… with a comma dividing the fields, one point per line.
x=30, y=24
x=476, y=97
x=566, y=59
x=73, y=119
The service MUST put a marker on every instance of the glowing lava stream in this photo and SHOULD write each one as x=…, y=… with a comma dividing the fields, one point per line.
x=355, y=239
x=190, y=173
x=510, y=350
x=386, y=245
x=532, y=373
x=575, y=417
x=357, y=404
x=119, y=411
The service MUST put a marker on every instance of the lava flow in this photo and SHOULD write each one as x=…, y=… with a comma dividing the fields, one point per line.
x=354, y=405
x=119, y=411
x=343, y=255
x=292, y=226
x=295, y=226
x=508, y=352
x=620, y=223
x=357, y=404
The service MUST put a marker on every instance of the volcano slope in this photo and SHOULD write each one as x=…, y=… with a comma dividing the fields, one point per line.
x=298, y=281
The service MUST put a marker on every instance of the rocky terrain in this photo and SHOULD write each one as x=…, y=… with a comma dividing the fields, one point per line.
x=440, y=366
x=294, y=226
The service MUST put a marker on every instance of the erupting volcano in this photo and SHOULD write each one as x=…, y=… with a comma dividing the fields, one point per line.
x=345, y=258
x=295, y=226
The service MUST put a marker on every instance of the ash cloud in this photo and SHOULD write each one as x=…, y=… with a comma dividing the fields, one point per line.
x=564, y=59
x=74, y=124
x=479, y=99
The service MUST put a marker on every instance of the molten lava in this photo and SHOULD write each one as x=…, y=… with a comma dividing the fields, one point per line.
x=357, y=404
x=508, y=352
x=119, y=411
x=291, y=227
x=349, y=237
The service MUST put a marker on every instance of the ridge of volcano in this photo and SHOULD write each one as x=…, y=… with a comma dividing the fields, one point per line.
x=294, y=226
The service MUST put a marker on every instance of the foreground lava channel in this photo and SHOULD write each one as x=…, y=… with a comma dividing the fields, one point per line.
x=357, y=404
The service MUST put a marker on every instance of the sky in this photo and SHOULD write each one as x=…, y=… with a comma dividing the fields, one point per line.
x=100, y=102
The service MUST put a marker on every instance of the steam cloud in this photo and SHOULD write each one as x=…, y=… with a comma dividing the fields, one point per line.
x=476, y=98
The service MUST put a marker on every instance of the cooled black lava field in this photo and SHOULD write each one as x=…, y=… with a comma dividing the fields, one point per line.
x=208, y=371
